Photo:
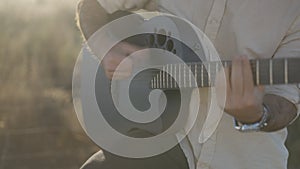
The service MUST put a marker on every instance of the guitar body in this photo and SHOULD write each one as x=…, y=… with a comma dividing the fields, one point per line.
x=159, y=44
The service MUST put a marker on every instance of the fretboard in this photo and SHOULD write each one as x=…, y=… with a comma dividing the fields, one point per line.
x=265, y=72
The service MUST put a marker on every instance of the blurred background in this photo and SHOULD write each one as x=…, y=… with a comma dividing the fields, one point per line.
x=39, y=44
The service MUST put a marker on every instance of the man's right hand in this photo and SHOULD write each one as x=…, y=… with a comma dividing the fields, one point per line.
x=112, y=6
x=115, y=56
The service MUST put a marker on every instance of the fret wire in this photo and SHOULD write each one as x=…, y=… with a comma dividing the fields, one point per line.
x=163, y=77
x=175, y=83
x=286, y=80
x=152, y=86
x=160, y=79
x=225, y=64
x=167, y=74
x=257, y=72
x=179, y=76
x=171, y=77
x=184, y=76
x=157, y=82
x=202, y=72
x=154, y=82
x=190, y=75
x=271, y=71
x=209, y=74
x=196, y=75
x=217, y=69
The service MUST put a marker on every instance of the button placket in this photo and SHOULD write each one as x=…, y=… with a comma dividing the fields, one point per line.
x=214, y=19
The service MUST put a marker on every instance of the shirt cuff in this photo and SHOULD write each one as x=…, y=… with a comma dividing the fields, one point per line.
x=112, y=6
x=289, y=92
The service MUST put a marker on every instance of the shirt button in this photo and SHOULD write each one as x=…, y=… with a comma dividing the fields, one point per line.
x=212, y=21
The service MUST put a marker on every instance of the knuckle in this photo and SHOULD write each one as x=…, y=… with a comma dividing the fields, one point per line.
x=109, y=75
x=110, y=67
x=249, y=103
x=108, y=59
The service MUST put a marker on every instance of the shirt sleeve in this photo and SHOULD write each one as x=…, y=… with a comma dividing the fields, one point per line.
x=289, y=47
x=112, y=6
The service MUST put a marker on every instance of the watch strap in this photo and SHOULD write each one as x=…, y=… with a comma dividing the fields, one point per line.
x=254, y=126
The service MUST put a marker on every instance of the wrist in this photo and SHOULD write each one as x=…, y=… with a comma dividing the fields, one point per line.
x=256, y=126
x=252, y=117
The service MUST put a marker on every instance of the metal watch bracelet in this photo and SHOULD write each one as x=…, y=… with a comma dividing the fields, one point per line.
x=255, y=126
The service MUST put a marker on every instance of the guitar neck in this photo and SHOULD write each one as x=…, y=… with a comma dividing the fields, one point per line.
x=265, y=72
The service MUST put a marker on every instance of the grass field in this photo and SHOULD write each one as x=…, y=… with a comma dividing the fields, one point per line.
x=39, y=43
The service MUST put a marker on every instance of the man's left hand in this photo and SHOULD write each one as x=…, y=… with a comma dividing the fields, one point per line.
x=243, y=100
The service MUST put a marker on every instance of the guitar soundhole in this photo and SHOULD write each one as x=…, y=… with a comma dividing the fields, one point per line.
x=175, y=51
x=161, y=39
x=151, y=40
x=170, y=45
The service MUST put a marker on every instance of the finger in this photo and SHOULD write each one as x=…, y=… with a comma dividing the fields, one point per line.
x=228, y=88
x=122, y=70
x=220, y=82
x=126, y=66
x=120, y=75
x=227, y=75
x=237, y=77
x=248, y=77
x=223, y=84
x=116, y=75
x=223, y=80
x=128, y=48
x=115, y=61
x=108, y=64
x=113, y=58
x=261, y=88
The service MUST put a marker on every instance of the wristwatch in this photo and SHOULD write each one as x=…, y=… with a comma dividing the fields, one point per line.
x=255, y=126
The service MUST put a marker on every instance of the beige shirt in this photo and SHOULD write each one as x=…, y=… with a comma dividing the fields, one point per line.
x=258, y=29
